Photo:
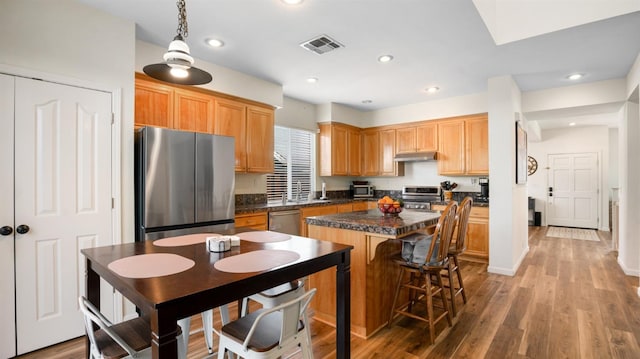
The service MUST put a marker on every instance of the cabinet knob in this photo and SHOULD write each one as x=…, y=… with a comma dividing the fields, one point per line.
x=6, y=230
x=22, y=229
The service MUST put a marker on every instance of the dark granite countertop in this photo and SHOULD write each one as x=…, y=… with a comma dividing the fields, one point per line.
x=372, y=221
x=278, y=206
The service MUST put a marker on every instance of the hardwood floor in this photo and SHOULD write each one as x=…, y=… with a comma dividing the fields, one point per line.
x=569, y=299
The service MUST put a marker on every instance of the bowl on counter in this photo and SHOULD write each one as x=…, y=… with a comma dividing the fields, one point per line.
x=389, y=209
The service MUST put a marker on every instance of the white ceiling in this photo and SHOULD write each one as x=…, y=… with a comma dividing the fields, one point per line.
x=434, y=43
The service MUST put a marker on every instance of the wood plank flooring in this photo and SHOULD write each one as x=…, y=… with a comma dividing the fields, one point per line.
x=569, y=299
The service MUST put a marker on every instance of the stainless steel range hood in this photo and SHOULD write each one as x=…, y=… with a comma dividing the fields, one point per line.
x=416, y=156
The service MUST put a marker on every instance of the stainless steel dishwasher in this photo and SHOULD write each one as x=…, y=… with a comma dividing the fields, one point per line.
x=285, y=222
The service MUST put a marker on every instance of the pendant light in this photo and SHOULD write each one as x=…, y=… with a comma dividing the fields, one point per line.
x=177, y=66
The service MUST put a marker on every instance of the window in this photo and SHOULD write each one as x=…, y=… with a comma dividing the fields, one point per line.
x=293, y=162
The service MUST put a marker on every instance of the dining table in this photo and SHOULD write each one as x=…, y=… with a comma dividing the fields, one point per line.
x=175, y=278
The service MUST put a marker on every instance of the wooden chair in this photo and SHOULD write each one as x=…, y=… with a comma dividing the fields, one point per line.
x=425, y=279
x=129, y=339
x=269, y=333
x=457, y=247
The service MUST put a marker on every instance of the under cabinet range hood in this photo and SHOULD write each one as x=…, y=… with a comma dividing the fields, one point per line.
x=415, y=157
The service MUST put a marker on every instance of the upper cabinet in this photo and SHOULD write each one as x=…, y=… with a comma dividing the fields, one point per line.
x=340, y=150
x=370, y=152
x=259, y=138
x=463, y=146
x=477, y=144
x=378, y=151
x=388, y=166
x=421, y=138
x=153, y=104
x=198, y=110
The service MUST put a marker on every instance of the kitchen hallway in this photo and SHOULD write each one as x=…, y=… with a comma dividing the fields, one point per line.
x=569, y=299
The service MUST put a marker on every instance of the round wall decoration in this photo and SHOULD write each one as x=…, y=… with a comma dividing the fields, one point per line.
x=532, y=165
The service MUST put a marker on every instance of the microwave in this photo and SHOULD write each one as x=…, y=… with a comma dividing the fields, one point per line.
x=362, y=190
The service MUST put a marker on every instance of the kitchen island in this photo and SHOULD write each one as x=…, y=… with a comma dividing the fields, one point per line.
x=376, y=240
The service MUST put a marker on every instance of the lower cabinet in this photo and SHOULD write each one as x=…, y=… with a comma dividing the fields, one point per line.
x=477, y=233
x=314, y=211
x=254, y=220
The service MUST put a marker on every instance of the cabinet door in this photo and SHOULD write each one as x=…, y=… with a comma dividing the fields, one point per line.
x=406, y=140
x=451, y=148
x=389, y=167
x=477, y=143
x=345, y=208
x=153, y=104
x=370, y=153
x=478, y=237
x=360, y=206
x=427, y=137
x=314, y=211
x=259, y=140
x=231, y=121
x=194, y=111
x=339, y=146
x=255, y=221
x=355, y=155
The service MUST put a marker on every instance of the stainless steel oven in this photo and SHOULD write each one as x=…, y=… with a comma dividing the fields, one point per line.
x=420, y=197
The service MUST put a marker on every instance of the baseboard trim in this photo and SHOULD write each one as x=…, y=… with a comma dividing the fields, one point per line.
x=629, y=271
x=509, y=271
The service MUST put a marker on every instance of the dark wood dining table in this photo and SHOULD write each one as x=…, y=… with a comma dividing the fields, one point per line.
x=167, y=298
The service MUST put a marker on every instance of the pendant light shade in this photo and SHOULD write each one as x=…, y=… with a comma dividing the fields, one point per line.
x=178, y=67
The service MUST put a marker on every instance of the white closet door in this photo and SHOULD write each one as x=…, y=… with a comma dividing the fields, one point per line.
x=63, y=193
x=7, y=289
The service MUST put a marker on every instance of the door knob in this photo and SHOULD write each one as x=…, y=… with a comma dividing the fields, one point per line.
x=22, y=229
x=6, y=230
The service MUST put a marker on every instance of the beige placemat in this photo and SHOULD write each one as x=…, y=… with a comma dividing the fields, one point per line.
x=185, y=240
x=263, y=236
x=256, y=261
x=150, y=265
x=573, y=233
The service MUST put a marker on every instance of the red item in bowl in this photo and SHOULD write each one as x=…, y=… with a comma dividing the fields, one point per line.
x=387, y=208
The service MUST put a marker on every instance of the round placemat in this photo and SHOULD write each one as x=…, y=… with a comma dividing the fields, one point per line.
x=256, y=261
x=150, y=265
x=263, y=236
x=185, y=240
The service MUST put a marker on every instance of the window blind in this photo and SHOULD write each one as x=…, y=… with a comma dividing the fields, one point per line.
x=294, y=151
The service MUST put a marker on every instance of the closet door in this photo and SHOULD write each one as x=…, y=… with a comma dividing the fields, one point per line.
x=7, y=283
x=63, y=194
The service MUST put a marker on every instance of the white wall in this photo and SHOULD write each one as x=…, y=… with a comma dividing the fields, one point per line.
x=570, y=140
x=593, y=93
x=629, y=194
x=613, y=159
x=508, y=227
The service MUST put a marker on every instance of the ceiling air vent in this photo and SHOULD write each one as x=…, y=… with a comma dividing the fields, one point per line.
x=321, y=44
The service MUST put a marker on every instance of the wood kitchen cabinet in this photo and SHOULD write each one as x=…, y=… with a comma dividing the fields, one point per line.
x=370, y=152
x=463, y=146
x=258, y=221
x=259, y=139
x=340, y=150
x=421, y=138
x=252, y=128
x=388, y=166
x=360, y=206
x=477, y=233
x=378, y=152
x=193, y=111
x=153, y=104
x=477, y=145
x=161, y=105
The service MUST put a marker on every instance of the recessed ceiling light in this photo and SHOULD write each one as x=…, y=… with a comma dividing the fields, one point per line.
x=433, y=89
x=292, y=2
x=366, y=101
x=312, y=80
x=385, y=58
x=215, y=42
x=574, y=77
x=572, y=123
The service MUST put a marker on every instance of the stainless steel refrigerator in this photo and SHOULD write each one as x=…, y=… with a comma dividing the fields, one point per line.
x=184, y=183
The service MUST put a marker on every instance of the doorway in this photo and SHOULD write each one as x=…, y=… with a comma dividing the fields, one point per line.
x=573, y=190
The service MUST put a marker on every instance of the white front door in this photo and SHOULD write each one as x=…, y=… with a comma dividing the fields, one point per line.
x=572, y=196
x=7, y=288
x=63, y=194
